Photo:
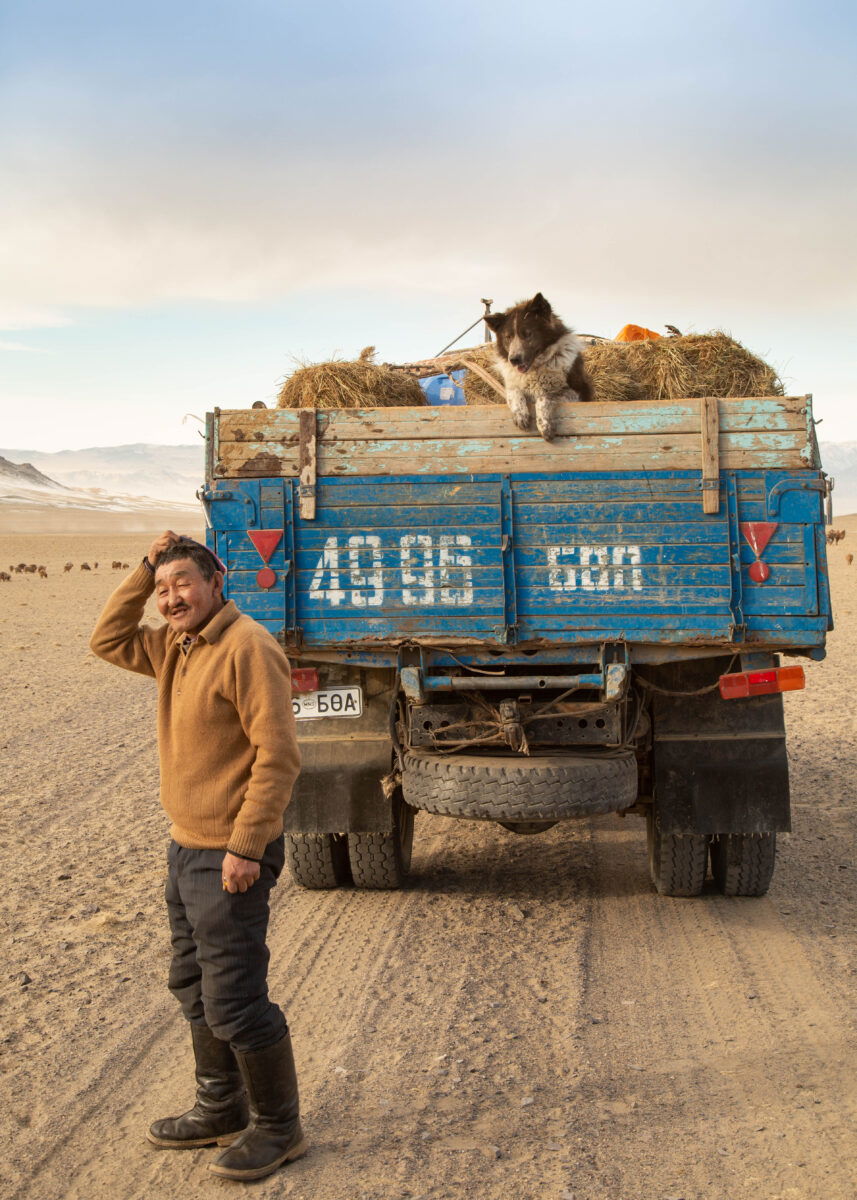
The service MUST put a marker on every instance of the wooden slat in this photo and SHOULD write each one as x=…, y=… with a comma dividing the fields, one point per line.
x=760, y=433
x=710, y=431
x=307, y=461
x=438, y=458
x=670, y=416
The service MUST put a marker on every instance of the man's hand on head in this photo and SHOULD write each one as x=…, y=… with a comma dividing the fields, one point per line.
x=160, y=544
x=239, y=874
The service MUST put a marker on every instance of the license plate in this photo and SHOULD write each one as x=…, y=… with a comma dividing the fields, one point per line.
x=329, y=702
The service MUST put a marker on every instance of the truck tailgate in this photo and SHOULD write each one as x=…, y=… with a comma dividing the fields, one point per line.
x=533, y=558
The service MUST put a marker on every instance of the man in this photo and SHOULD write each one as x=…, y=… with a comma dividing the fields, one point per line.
x=229, y=757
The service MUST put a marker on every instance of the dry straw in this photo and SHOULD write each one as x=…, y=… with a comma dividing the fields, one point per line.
x=362, y=383
x=670, y=368
x=697, y=364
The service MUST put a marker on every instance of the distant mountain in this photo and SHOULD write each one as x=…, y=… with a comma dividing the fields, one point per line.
x=840, y=462
x=24, y=475
x=163, y=473
x=23, y=488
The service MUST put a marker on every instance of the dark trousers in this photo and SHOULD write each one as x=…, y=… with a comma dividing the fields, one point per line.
x=219, y=969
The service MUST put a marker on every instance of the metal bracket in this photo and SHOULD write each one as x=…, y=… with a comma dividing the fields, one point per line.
x=207, y=496
x=411, y=679
x=615, y=669
x=777, y=492
x=508, y=632
x=828, y=498
x=709, y=424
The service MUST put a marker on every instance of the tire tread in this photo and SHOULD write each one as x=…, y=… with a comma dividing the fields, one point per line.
x=500, y=789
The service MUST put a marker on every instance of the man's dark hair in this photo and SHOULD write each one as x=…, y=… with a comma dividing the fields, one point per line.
x=196, y=552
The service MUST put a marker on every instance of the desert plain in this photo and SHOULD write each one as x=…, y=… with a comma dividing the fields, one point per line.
x=527, y=1019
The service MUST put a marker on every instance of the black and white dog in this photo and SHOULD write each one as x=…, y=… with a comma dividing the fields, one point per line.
x=541, y=360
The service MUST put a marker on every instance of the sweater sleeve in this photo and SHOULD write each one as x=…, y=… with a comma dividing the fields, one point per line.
x=263, y=699
x=119, y=638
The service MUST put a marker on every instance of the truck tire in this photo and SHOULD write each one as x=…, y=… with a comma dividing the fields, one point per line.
x=743, y=863
x=318, y=860
x=381, y=861
x=677, y=861
x=536, y=788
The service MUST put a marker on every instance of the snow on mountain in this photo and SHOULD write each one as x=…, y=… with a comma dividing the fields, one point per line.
x=24, y=475
x=162, y=473
x=24, y=487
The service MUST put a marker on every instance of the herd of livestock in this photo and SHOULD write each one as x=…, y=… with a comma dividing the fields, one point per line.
x=42, y=571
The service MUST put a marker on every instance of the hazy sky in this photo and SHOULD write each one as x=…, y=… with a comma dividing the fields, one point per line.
x=193, y=194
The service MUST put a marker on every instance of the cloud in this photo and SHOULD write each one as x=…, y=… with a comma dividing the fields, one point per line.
x=22, y=347
x=161, y=158
x=591, y=225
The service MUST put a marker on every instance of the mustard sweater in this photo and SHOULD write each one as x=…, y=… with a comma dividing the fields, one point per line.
x=226, y=732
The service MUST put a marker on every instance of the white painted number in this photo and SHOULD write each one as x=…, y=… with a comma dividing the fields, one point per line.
x=428, y=571
x=594, y=568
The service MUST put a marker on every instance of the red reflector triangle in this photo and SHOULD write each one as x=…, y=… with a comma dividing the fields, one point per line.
x=758, y=534
x=265, y=541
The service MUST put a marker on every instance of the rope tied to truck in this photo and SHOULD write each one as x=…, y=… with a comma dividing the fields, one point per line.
x=662, y=691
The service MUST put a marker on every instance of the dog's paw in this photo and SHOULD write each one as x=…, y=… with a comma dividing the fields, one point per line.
x=547, y=429
x=546, y=417
x=520, y=411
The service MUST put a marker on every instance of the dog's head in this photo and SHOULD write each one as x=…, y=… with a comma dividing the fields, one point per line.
x=525, y=330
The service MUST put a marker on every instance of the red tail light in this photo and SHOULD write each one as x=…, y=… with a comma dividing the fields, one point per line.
x=762, y=683
x=304, y=679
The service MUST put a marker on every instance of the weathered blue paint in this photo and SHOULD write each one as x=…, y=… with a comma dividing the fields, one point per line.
x=536, y=566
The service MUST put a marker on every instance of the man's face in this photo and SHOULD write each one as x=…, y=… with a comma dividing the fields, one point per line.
x=185, y=599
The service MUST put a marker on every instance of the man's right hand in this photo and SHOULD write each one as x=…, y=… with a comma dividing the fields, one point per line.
x=160, y=544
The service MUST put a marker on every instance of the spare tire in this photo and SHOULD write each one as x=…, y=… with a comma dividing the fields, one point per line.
x=539, y=787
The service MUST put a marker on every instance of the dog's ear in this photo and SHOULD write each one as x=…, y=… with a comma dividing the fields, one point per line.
x=539, y=306
x=495, y=321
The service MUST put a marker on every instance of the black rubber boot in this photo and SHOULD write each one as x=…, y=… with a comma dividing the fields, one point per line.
x=274, y=1135
x=220, y=1112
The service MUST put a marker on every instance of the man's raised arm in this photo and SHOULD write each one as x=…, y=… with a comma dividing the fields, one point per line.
x=118, y=637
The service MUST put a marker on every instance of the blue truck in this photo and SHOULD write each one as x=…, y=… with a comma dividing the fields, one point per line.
x=488, y=626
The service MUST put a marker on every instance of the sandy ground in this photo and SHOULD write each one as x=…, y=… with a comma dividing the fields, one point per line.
x=527, y=1019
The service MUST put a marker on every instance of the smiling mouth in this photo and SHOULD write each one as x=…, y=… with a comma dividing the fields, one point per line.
x=178, y=612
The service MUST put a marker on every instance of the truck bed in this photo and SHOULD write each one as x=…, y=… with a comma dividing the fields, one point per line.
x=451, y=528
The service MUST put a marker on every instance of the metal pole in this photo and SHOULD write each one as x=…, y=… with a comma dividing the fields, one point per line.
x=487, y=304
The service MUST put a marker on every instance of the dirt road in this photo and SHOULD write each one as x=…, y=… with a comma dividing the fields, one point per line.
x=528, y=1019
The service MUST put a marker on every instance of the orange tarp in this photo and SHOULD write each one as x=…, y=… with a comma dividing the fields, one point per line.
x=635, y=333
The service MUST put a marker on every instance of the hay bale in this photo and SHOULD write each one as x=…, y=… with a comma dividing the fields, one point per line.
x=476, y=390
x=613, y=372
x=670, y=368
x=361, y=383
x=696, y=364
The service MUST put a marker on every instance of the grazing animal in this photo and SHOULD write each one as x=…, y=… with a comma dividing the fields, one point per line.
x=43, y=574
x=541, y=361
x=849, y=558
x=85, y=567
x=116, y=565
x=125, y=567
x=835, y=535
x=5, y=577
x=69, y=566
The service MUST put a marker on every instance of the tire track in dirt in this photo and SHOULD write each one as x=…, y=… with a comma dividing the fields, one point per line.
x=336, y=953
x=720, y=1034
x=421, y=1019
x=470, y=1018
